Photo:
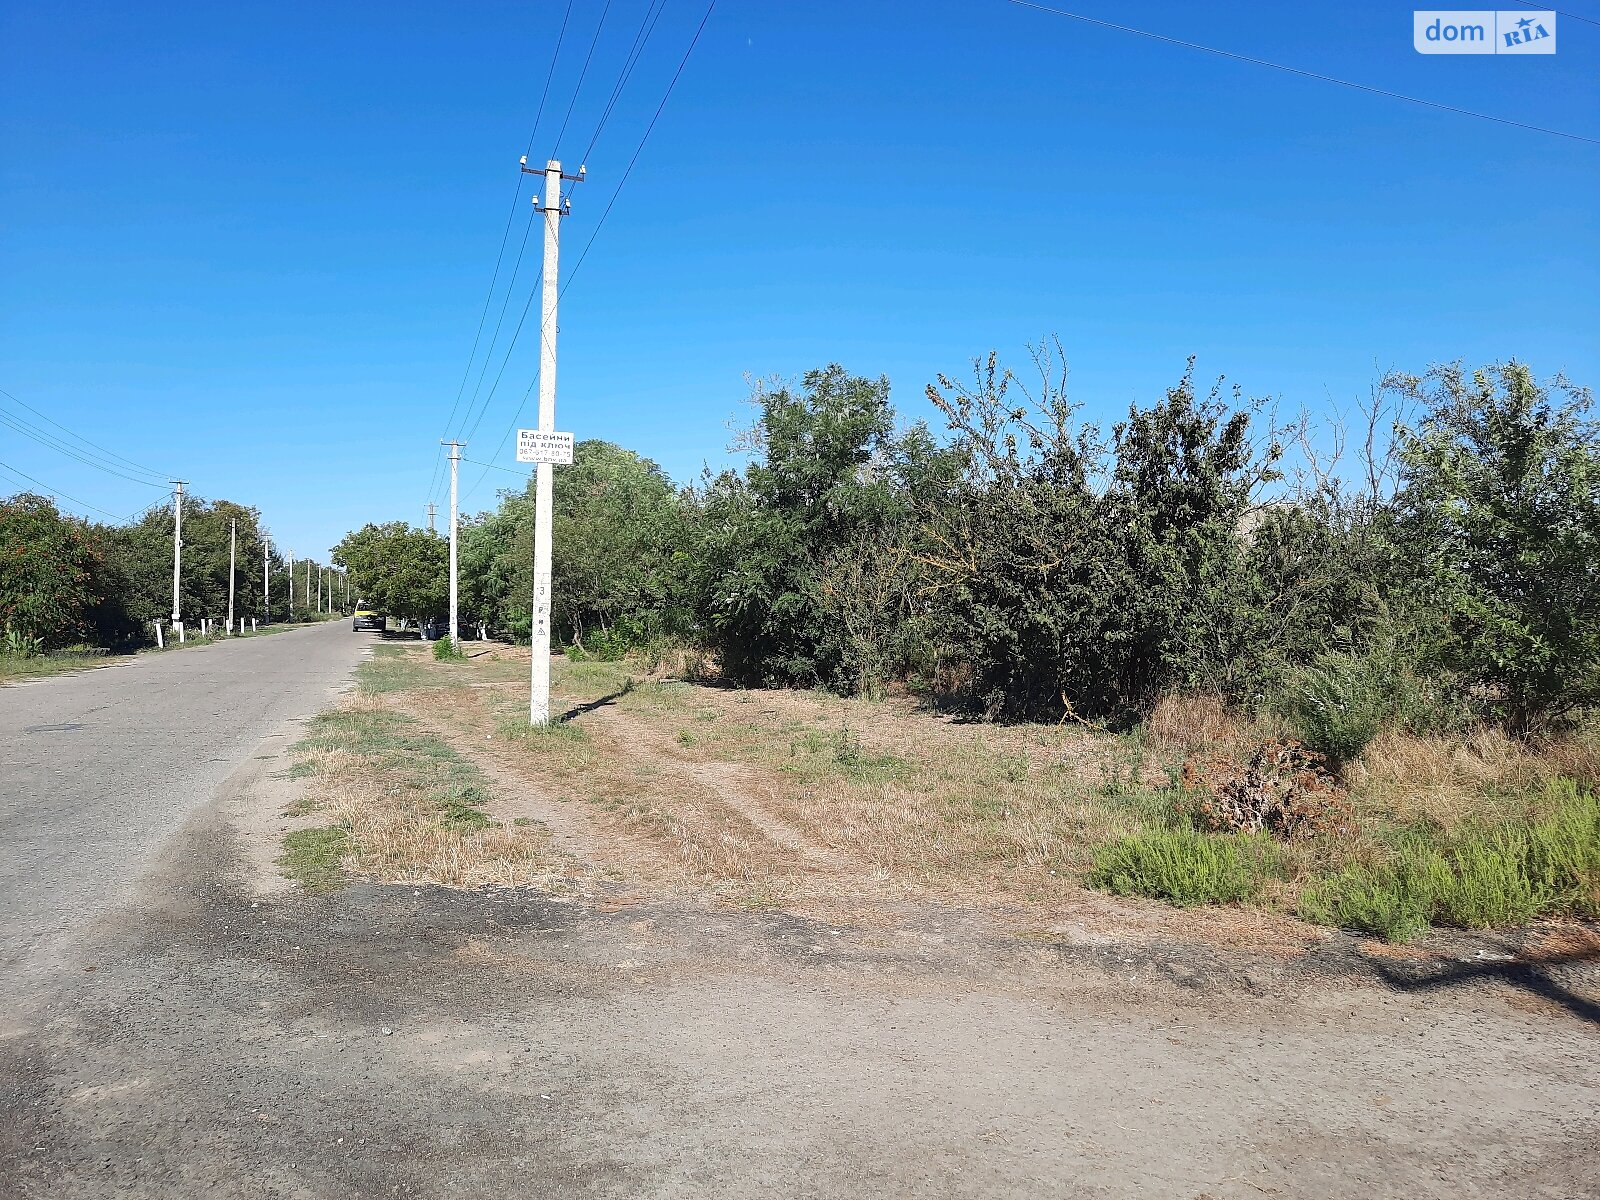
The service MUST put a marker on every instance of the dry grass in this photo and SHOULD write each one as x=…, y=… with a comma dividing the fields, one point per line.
x=395, y=792
x=848, y=809
x=1448, y=782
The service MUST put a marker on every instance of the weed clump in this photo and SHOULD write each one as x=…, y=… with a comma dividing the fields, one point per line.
x=312, y=857
x=1187, y=867
x=1481, y=878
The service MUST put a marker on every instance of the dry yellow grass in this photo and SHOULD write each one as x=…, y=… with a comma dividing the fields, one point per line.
x=847, y=809
x=387, y=803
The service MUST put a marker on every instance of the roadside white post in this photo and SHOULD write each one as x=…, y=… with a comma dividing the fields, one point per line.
x=233, y=552
x=160, y=643
x=554, y=207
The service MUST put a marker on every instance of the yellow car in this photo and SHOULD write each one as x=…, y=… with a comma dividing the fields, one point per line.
x=366, y=618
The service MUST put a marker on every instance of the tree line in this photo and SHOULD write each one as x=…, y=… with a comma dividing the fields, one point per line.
x=1435, y=564
x=66, y=581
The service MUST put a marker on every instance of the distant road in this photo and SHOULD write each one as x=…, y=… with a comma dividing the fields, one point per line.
x=97, y=770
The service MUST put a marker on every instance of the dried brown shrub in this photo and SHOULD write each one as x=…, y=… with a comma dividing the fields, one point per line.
x=1279, y=788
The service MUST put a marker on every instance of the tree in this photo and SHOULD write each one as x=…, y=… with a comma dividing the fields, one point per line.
x=48, y=564
x=826, y=471
x=1499, y=517
x=399, y=570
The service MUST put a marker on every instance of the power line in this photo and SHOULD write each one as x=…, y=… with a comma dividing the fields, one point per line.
x=55, y=492
x=511, y=216
x=639, y=149
x=595, y=41
x=496, y=467
x=647, y=27
x=1261, y=62
x=33, y=431
x=54, y=443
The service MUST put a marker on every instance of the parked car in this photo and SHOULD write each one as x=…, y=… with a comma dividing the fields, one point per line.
x=367, y=618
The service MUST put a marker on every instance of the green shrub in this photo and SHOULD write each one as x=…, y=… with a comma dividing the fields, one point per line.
x=1482, y=878
x=1487, y=884
x=1337, y=705
x=1186, y=867
x=446, y=650
x=1394, y=901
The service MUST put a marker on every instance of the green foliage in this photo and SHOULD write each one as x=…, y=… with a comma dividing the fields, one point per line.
x=782, y=548
x=398, y=570
x=1338, y=704
x=1186, y=867
x=48, y=564
x=1499, y=519
x=446, y=650
x=312, y=857
x=1065, y=572
x=1394, y=901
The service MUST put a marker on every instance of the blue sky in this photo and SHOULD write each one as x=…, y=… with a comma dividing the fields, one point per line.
x=250, y=243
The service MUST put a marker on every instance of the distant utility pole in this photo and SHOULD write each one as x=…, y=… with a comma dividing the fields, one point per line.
x=455, y=613
x=554, y=207
x=233, y=552
x=291, y=585
x=177, y=550
x=431, y=507
x=307, y=592
x=266, y=580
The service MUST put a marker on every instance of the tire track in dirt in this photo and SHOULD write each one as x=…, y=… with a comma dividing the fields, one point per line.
x=734, y=785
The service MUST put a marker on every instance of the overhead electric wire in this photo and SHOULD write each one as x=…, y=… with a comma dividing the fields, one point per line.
x=57, y=492
x=647, y=26
x=56, y=444
x=1261, y=62
x=105, y=458
x=511, y=217
x=593, y=42
x=639, y=149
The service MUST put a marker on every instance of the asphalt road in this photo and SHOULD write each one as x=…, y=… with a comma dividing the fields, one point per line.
x=98, y=770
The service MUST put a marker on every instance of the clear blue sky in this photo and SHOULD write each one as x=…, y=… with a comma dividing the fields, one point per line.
x=249, y=243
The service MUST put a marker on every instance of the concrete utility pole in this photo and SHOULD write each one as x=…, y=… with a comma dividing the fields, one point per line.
x=554, y=207
x=455, y=614
x=233, y=554
x=291, y=585
x=266, y=580
x=177, y=551
x=431, y=507
x=307, y=591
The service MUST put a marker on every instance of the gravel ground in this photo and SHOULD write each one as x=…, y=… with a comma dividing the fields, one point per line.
x=210, y=1034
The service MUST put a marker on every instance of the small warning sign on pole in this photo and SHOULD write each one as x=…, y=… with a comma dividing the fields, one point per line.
x=544, y=446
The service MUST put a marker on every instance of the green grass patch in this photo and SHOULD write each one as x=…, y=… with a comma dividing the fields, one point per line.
x=1482, y=877
x=408, y=758
x=1186, y=867
x=37, y=666
x=825, y=753
x=311, y=857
